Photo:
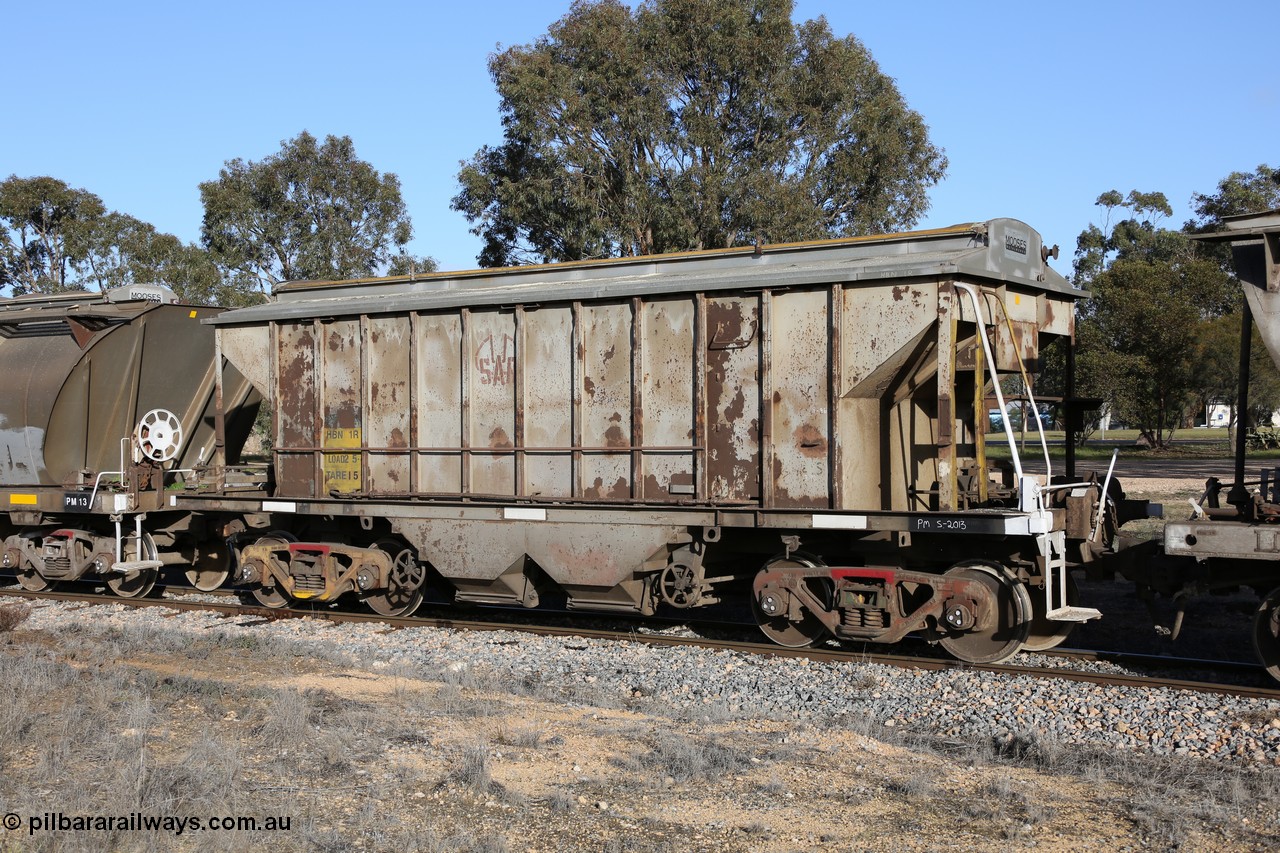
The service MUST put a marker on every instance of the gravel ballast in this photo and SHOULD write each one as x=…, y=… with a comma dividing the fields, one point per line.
x=693, y=683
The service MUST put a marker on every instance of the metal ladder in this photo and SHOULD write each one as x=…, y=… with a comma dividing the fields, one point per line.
x=1053, y=547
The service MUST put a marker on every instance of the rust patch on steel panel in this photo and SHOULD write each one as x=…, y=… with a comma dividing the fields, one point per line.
x=576, y=563
x=388, y=417
x=613, y=437
x=879, y=335
x=800, y=338
x=607, y=405
x=440, y=357
x=737, y=406
x=733, y=398
x=296, y=409
x=620, y=490
x=546, y=343
x=652, y=489
x=667, y=399
x=901, y=293
x=492, y=401
x=340, y=399
x=811, y=441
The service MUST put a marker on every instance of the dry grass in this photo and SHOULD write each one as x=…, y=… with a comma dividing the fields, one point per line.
x=395, y=758
x=13, y=615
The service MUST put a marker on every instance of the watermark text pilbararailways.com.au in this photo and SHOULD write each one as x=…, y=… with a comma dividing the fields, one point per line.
x=140, y=822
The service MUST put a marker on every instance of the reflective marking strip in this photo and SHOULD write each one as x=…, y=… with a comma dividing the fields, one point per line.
x=173, y=500
x=1024, y=526
x=279, y=506
x=24, y=500
x=522, y=513
x=122, y=503
x=841, y=522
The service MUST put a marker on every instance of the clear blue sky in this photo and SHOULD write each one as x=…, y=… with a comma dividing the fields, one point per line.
x=1040, y=106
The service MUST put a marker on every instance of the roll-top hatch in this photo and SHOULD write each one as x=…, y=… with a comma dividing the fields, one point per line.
x=1003, y=251
x=80, y=313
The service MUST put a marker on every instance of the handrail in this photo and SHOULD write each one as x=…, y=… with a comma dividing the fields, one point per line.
x=995, y=377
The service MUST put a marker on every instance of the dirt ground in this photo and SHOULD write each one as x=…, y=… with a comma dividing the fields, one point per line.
x=377, y=757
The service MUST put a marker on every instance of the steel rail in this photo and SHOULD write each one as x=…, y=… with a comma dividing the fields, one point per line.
x=825, y=655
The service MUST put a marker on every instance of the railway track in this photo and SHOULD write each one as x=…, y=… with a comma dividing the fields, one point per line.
x=180, y=602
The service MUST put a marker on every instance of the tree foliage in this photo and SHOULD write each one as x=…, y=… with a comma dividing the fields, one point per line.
x=124, y=250
x=1219, y=352
x=313, y=210
x=1217, y=361
x=1239, y=192
x=688, y=124
x=1152, y=292
x=47, y=230
x=58, y=238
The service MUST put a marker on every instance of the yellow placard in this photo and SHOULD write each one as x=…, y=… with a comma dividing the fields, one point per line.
x=342, y=470
x=23, y=500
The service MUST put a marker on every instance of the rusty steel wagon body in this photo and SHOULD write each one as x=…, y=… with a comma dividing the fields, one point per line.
x=106, y=399
x=801, y=425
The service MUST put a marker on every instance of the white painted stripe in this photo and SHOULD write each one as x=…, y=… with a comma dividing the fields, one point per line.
x=1026, y=525
x=173, y=500
x=523, y=513
x=841, y=522
x=279, y=506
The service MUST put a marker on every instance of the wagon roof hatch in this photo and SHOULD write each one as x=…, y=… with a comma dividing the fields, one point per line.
x=998, y=251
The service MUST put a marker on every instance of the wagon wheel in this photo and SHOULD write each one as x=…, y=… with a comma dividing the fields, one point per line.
x=1266, y=632
x=28, y=575
x=212, y=566
x=272, y=596
x=31, y=579
x=408, y=576
x=140, y=584
x=1006, y=628
x=769, y=605
x=1046, y=634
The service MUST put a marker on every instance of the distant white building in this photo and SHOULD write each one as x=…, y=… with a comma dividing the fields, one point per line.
x=1219, y=415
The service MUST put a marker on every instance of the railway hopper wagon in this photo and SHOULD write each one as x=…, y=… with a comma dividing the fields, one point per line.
x=799, y=426
x=1233, y=536
x=106, y=402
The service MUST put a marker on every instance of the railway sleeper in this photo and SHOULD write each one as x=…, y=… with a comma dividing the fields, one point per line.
x=315, y=571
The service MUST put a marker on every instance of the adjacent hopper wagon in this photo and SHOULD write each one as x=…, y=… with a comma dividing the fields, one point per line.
x=1233, y=537
x=105, y=400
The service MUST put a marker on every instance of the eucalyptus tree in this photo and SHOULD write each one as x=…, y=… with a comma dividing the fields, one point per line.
x=312, y=210
x=690, y=124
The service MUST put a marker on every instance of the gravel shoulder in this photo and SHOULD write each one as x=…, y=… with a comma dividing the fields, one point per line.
x=429, y=739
